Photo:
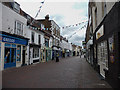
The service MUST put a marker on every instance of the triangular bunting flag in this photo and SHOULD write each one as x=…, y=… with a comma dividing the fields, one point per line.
x=42, y=2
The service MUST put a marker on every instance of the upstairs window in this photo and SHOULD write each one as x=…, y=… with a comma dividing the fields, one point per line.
x=104, y=9
x=39, y=39
x=96, y=17
x=16, y=7
x=32, y=37
x=18, y=28
x=46, y=42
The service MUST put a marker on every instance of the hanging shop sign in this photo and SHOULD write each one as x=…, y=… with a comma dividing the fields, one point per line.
x=111, y=49
x=100, y=32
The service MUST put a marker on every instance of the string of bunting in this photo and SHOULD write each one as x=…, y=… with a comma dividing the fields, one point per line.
x=37, y=12
x=77, y=31
x=74, y=25
x=35, y=28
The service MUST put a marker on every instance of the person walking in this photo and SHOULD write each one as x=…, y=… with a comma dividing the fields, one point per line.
x=57, y=57
x=80, y=54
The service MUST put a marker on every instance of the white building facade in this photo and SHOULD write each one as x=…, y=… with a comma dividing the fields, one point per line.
x=13, y=43
x=36, y=43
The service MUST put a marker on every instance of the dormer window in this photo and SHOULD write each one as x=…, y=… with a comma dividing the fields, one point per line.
x=16, y=7
x=28, y=18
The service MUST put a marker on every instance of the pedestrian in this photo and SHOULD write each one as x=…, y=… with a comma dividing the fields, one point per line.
x=57, y=57
x=80, y=54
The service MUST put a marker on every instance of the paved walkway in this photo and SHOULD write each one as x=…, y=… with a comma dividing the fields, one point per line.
x=70, y=72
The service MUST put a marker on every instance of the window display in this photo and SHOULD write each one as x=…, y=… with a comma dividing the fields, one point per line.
x=111, y=49
x=35, y=52
x=102, y=53
x=18, y=53
x=0, y=52
x=10, y=55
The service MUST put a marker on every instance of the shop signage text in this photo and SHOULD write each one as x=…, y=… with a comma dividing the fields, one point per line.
x=8, y=40
x=11, y=39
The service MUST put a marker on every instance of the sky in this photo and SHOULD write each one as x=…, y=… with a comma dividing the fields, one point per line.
x=63, y=12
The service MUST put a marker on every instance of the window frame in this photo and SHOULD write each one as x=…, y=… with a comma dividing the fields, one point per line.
x=18, y=30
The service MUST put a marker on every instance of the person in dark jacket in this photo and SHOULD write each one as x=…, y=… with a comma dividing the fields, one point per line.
x=57, y=57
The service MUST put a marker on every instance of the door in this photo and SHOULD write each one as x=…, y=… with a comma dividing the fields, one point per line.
x=102, y=67
x=23, y=58
x=103, y=57
x=10, y=56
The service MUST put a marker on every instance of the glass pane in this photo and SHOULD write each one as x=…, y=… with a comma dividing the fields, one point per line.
x=7, y=55
x=7, y=45
x=0, y=52
x=18, y=53
x=13, y=54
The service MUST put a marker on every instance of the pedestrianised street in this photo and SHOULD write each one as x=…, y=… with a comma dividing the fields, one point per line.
x=70, y=72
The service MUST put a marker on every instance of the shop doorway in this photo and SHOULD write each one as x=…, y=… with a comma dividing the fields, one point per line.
x=10, y=56
x=23, y=58
x=103, y=57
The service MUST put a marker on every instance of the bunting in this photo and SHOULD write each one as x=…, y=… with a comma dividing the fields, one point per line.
x=37, y=12
x=35, y=28
x=75, y=25
x=77, y=31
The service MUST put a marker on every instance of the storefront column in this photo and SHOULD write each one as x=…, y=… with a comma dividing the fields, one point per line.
x=18, y=63
x=27, y=56
x=2, y=55
x=21, y=55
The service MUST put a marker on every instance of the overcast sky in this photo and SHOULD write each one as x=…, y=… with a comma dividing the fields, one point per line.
x=63, y=12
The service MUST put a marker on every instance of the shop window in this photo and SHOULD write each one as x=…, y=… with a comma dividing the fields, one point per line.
x=102, y=53
x=7, y=55
x=10, y=53
x=18, y=28
x=111, y=49
x=0, y=51
x=13, y=55
x=18, y=53
x=35, y=52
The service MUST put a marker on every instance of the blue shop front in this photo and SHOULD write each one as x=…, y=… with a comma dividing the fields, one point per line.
x=13, y=50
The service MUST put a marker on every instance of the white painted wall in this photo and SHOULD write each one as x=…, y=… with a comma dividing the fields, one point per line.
x=29, y=35
x=2, y=56
x=0, y=16
x=109, y=6
x=8, y=19
x=28, y=32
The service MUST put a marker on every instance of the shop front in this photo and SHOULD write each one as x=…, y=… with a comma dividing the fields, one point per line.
x=55, y=50
x=42, y=54
x=107, y=47
x=13, y=48
x=48, y=53
x=34, y=53
x=0, y=55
